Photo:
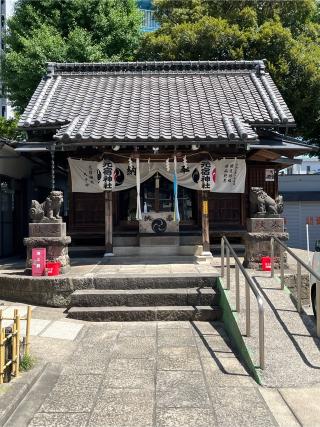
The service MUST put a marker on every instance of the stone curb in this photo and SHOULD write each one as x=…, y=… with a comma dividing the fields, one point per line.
x=17, y=390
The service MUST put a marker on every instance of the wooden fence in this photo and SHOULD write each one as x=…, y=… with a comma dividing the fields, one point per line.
x=10, y=344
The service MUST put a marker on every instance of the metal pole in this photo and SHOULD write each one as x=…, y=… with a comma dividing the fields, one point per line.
x=308, y=243
x=318, y=307
x=228, y=267
x=2, y=351
x=248, y=331
x=261, y=339
x=222, y=257
x=298, y=287
x=237, y=288
x=272, y=256
x=28, y=330
x=282, y=267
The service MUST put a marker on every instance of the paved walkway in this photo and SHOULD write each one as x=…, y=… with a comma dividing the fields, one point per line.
x=120, y=267
x=151, y=374
x=47, y=327
x=147, y=374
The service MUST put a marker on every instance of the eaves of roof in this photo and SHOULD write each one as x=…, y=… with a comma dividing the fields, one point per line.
x=156, y=101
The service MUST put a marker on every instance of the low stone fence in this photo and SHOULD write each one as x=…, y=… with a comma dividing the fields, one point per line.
x=53, y=291
x=290, y=281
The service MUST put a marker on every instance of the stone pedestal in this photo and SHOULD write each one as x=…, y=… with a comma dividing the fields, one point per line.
x=258, y=238
x=51, y=236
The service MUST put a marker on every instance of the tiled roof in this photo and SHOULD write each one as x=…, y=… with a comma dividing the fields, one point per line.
x=157, y=101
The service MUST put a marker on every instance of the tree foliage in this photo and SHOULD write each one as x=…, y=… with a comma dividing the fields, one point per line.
x=284, y=33
x=8, y=129
x=65, y=31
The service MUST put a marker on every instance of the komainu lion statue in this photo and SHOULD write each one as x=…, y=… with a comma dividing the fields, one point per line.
x=261, y=203
x=48, y=211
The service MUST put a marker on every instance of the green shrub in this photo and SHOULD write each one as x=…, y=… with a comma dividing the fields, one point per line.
x=26, y=362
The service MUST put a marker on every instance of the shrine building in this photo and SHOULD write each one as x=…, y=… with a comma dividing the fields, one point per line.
x=157, y=157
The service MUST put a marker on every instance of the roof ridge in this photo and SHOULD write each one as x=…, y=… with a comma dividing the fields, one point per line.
x=64, y=67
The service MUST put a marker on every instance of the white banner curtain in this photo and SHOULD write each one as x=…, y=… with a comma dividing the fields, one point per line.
x=220, y=176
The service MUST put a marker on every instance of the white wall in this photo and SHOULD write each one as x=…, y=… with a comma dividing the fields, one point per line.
x=296, y=215
x=299, y=183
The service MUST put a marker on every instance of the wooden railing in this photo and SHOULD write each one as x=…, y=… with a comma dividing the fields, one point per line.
x=10, y=344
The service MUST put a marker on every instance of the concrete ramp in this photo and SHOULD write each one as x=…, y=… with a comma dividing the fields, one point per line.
x=292, y=350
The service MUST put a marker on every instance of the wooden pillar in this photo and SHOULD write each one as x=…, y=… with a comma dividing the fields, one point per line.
x=108, y=222
x=205, y=222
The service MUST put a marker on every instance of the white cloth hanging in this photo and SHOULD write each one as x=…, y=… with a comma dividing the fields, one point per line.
x=221, y=176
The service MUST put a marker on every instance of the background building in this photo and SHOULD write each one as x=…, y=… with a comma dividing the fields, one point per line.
x=301, y=194
x=308, y=165
x=149, y=22
x=6, y=10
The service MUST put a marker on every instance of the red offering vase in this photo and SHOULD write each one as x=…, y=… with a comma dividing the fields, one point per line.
x=53, y=268
x=266, y=263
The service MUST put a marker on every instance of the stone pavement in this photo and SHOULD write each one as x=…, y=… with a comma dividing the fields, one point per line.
x=140, y=374
x=48, y=328
x=147, y=374
x=122, y=267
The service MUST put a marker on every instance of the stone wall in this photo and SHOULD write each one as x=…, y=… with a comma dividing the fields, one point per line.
x=52, y=291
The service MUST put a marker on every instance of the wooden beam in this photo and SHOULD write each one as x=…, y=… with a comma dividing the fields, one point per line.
x=264, y=155
x=108, y=223
x=205, y=222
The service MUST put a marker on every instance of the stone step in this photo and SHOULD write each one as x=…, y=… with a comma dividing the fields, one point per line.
x=158, y=250
x=156, y=240
x=152, y=281
x=143, y=297
x=163, y=313
x=149, y=258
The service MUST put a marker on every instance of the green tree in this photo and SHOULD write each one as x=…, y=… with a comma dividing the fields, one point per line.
x=8, y=129
x=284, y=33
x=66, y=31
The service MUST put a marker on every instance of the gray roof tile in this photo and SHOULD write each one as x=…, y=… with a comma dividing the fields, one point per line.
x=151, y=101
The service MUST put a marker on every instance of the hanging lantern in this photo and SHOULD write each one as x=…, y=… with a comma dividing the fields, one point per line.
x=168, y=165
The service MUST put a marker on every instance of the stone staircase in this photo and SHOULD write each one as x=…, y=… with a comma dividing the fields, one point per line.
x=136, y=298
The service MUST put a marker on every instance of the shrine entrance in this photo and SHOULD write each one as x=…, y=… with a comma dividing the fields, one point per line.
x=157, y=197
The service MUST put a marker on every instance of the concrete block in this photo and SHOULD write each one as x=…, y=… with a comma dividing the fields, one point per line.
x=177, y=417
x=51, y=419
x=178, y=359
x=143, y=297
x=109, y=314
x=180, y=389
x=261, y=225
x=57, y=229
x=62, y=330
